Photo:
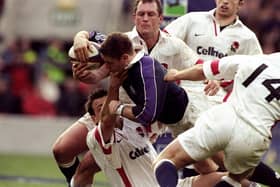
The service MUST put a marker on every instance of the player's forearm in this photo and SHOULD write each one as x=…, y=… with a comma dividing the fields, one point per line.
x=195, y=73
x=127, y=112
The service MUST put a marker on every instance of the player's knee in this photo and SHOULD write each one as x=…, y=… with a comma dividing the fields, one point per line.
x=166, y=173
x=59, y=152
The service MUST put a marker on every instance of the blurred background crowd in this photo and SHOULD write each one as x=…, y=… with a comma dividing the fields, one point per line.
x=35, y=73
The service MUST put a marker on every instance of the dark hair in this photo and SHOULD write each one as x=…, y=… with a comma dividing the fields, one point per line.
x=158, y=2
x=91, y=97
x=116, y=45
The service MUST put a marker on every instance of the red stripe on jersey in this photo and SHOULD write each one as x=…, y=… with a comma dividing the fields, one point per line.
x=215, y=27
x=226, y=83
x=199, y=61
x=124, y=177
x=98, y=138
x=215, y=67
x=164, y=30
x=226, y=96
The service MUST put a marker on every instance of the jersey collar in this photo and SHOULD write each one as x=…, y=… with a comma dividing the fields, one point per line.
x=136, y=58
x=236, y=23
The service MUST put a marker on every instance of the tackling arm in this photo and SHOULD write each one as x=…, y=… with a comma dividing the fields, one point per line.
x=193, y=73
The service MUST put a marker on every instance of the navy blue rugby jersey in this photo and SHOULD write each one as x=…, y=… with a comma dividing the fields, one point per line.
x=155, y=98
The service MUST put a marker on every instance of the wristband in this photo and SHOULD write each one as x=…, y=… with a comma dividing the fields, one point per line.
x=119, y=110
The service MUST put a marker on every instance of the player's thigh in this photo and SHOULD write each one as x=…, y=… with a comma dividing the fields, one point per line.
x=245, y=149
x=211, y=133
x=205, y=166
x=86, y=170
x=176, y=154
x=73, y=139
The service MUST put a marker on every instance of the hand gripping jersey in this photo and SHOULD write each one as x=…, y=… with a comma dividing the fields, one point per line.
x=127, y=159
x=256, y=92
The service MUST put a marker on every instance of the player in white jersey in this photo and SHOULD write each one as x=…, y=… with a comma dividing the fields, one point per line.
x=72, y=142
x=213, y=34
x=241, y=127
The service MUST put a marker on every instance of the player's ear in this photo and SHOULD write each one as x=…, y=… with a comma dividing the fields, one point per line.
x=124, y=57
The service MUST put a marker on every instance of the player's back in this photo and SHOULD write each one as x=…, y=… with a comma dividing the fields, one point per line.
x=256, y=91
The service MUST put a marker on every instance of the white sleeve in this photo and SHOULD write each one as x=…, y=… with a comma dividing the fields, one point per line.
x=221, y=69
x=178, y=27
x=87, y=121
x=253, y=46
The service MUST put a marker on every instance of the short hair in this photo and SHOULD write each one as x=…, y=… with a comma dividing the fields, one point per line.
x=93, y=96
x=116, y=45
x=158, y=2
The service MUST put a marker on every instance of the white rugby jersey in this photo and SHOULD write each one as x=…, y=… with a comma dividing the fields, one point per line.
x=87, y=121
x=256, y=91
x=169, y=50
x=201, y=32
x=127, y=159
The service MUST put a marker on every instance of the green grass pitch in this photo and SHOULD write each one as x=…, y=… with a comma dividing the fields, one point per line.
x=31, y=167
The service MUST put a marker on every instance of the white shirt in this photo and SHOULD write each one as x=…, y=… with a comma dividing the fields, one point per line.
x=256, y=91
x=127, y=158
x=201, y=32
x=169, y=50
x=86, y=120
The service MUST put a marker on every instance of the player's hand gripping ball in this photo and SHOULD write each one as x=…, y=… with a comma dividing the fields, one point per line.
x=94, y=59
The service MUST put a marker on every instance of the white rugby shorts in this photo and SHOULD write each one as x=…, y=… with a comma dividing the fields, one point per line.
x=221, y=129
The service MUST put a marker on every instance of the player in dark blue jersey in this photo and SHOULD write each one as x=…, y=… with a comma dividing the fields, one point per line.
x=154, y=98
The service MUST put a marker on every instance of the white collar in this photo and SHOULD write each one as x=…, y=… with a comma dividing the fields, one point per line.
x=212, y=12
x=136, y=58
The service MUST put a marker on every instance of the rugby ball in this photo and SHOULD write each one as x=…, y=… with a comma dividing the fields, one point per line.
x=94, y=58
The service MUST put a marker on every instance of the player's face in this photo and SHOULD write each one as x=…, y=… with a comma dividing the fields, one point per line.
x=147, y=19
x=115, y=65
x=97, y=106
x=228, y=8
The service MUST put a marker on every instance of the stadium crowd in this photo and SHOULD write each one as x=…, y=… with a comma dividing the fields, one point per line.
x=38, y=73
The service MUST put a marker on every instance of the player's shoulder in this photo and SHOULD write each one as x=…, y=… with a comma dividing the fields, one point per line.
x=245, y=30
x=172, y=40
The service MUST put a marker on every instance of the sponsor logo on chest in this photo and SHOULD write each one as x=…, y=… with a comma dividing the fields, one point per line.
x=210, y=51
x=138, y=152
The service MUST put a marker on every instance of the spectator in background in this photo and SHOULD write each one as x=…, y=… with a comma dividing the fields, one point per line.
x=34, y=104
x=266, y=25
x=56, y=65
x=9, y=103
x=71, y=100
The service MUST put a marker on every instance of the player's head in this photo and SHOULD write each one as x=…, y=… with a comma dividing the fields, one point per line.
x=147, y=17
x=117, y=51
x=228, y=8
x=95, y=102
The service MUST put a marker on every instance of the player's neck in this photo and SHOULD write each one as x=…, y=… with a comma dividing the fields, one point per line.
x=151, y=40
x=225, y=21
